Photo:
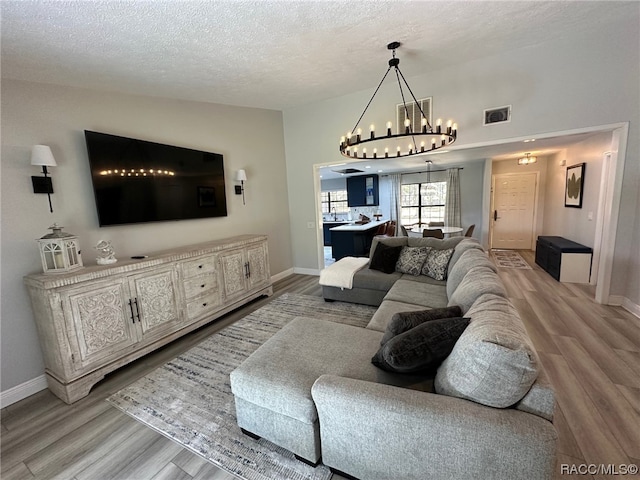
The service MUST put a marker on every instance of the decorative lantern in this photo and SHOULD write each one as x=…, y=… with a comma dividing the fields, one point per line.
x=59, y=251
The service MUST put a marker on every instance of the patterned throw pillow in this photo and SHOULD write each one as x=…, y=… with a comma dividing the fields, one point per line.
x=411, y=260
x=435, y=266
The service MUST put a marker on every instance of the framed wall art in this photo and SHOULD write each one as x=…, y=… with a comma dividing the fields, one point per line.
x=574, y=186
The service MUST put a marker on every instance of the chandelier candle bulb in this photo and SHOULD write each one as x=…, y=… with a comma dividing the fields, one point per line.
x=388, y=129
x=449, y=127
x=439, y=125
x=364, y=152
x=424, y=125
x=407, y=125
x=444, y=140
x=386, y=153
x=372, y=130
x=375, y=153
x=422, y=146
x=358, y=135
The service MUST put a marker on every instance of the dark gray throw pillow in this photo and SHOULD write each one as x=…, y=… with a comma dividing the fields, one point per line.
x=404, y=321
x=421, y=349
x=384, y=258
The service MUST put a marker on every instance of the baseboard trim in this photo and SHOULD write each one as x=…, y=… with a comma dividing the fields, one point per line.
x=281, y=275
x=22, y=391
x=307, y=271
x=634, y=308
x=624, y=302
x=615, y=300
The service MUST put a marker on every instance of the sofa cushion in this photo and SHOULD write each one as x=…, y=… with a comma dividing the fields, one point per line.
x=477, y=282
x=418, y=293
x=388, y=241
x=470, y=258
x=464, y=245
x=386, y=311
x=411, y=260
x=435, y=266
x=437, y=243
x=493, y=361
x=404, y=321
x=375, y=280
x=385, y=257
x=422, y=348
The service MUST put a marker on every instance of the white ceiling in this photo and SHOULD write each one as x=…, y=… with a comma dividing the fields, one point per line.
x=268, y=54
x=277, y=54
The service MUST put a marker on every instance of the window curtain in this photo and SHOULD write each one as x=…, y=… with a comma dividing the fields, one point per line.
x=396, y=201
x=452, y=204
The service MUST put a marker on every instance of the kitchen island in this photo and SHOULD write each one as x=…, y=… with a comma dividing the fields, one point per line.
x=353, y=240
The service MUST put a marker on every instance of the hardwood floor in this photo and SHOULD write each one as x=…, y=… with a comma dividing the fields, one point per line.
x=590, y=351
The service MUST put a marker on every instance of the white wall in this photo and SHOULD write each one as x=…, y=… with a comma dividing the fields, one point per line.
x=574, y=223
x=584, y=81
x=56, y=116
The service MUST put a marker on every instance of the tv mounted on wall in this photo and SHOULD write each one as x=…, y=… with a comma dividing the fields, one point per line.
x=135, y=181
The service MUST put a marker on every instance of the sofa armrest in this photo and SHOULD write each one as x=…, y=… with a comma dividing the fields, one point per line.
x=376, y=431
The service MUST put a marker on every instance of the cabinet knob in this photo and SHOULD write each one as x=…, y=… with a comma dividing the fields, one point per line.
x=202, y=286
x=204, y=304
x=199, y=266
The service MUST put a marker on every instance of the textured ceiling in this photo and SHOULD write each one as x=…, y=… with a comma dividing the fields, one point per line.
x=269, y=54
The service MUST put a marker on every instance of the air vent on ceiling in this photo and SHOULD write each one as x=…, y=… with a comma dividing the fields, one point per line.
x=349, y=170
x=414, y=114
x=497, y=115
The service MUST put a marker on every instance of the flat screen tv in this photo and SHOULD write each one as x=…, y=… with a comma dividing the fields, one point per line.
x=136, y=181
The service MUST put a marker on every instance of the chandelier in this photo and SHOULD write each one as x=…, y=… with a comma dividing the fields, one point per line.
x=414, y=141
x=527, y=159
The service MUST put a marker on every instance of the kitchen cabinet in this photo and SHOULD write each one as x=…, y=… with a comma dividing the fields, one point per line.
x=362, y=191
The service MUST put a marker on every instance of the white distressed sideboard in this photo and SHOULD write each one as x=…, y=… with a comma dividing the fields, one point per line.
x=97, y=319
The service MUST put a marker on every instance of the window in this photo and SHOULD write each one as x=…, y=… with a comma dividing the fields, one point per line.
x=336, y=199
x=423, y=202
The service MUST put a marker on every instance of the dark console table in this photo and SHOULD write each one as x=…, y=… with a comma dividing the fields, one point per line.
x=563, y=259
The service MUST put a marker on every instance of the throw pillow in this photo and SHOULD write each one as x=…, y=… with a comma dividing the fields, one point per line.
x=435, y=266
x=411, y=260
x=421, y=349
x=404, y=321
x=384, y=258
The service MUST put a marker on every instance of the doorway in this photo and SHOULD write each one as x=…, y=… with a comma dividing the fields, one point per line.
x=513, y=207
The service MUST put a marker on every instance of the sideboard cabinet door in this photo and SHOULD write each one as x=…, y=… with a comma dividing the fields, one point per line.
x=234, y=273
x=258, y=261
x=99, y=322
x=155, y=302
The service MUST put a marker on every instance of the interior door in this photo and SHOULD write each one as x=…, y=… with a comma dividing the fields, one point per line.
x=513, y=210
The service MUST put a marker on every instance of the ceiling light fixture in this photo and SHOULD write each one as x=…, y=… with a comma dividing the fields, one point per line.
x=527, y=159
x=389, y=144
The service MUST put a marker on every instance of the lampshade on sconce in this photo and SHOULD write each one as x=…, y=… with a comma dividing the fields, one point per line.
x=241, y=176
x=41, y=155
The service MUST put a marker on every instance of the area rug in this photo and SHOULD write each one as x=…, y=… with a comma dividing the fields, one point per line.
x=509, y=259
x=190, y=401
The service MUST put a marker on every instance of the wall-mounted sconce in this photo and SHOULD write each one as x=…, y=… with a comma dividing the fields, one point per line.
x=241, y=176
x=41, y=155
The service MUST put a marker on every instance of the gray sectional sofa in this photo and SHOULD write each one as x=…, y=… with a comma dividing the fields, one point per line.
x=487, y=413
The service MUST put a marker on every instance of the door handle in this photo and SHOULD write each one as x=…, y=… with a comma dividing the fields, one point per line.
x=495, y=215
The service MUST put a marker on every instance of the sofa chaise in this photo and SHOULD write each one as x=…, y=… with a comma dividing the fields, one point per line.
x=486, y=413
